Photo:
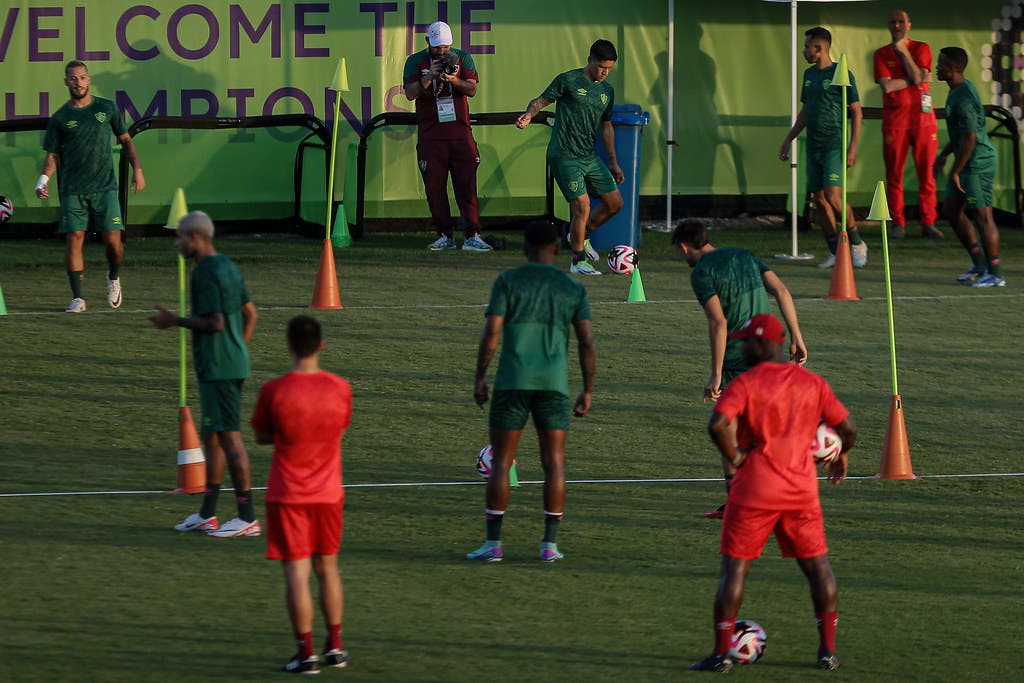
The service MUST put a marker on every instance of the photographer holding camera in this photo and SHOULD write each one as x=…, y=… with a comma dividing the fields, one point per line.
x=440, y=79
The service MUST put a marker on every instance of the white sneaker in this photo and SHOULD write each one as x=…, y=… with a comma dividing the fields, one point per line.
x=829, y=262
x=113, y=292
x=77, y=305
x=859, y=254
x=583, y=268
x=990, y=280
x=237, y=527
x=590, y=252
x=474, y=243
x=442, y=243
x=196, y=522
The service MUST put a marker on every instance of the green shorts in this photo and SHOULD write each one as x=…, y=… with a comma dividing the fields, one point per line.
x=577, y=177
x=824, y=167
x=977, y=184
x=99, y=211
x=221, y=402
x=511, y=407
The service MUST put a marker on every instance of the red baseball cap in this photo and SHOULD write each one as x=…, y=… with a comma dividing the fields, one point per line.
x=762, y=325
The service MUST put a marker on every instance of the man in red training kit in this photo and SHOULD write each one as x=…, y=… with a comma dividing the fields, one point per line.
x=304, y=414
x=764, y=424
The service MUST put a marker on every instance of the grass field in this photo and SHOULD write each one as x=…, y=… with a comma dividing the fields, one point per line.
x=100, y=588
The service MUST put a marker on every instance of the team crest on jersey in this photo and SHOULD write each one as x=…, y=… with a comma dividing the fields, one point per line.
x=826, y=83
x=582, y=92
x=101, y=116
x=604, y=99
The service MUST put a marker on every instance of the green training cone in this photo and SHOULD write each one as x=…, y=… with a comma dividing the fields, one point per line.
x=879, y=205
x=513, y=475
x=340, y=236
x=636, y=287
x=3, y=306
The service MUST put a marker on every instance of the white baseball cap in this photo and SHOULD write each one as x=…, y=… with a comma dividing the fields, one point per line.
x=439, y=33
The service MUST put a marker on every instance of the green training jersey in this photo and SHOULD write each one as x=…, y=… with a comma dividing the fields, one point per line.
x=965, y=114
x=539, y=304
x=823, y=105
x=217, y=287
x=580, y=106
x=81, y=138
x=734, y=275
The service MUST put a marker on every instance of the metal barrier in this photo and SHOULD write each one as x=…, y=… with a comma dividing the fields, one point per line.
x=409, y=119
x=316, y=127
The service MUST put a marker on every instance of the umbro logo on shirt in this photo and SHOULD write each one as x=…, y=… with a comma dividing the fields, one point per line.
x=72, y=124
x=582, y=92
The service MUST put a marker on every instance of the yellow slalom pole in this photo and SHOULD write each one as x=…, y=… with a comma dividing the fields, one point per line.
x=339, y=84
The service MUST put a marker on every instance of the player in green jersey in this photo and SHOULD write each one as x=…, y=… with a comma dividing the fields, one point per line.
x=78, y=139
x=969, y=185
x=531, y=310
x=222, y=322
x=822, y=115
x=584, y=101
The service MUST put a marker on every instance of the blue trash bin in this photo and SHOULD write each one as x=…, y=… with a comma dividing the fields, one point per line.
x=624, y=227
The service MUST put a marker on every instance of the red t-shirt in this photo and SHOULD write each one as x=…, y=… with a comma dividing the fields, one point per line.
x=307, y=413
x=778, y=406
x=902, y=108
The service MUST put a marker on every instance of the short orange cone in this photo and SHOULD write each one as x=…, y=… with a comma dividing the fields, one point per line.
x=191, y=463
x=326, y=294
x=843, y=286
x=896, y=448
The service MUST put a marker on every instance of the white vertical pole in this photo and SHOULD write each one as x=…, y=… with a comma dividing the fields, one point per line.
x=793, y=159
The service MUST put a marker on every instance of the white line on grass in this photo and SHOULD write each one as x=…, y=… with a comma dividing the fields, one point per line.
x=413, y=307
x=402, y=484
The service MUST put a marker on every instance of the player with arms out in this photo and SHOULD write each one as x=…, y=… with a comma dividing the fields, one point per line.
x=732, y=285
x=531, y=310
x=304, y=414
x=763, y=425
x=584, y=108
x=78, y=138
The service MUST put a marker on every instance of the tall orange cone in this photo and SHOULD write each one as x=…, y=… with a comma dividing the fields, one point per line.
x=326, y=294
x=191, y=463
x=896, y=448
x=843, y=287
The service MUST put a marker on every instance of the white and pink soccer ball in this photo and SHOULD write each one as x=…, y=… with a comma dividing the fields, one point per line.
x=622, y=259
x=6, y=209
x=748, y=642
x=826, y=446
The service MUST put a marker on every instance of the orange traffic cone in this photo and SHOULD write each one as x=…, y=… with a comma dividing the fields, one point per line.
x=191, y=463
x=843, y=286
x=896, y=449
x=326, y=293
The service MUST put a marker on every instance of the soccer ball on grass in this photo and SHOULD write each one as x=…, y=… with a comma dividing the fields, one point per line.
x=484, y=461
x=622, y=259
x=748, y=642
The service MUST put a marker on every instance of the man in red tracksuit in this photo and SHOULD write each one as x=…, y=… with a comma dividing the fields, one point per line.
x=903, y=71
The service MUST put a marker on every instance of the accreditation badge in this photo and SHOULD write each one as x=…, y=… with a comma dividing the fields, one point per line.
x=445, y=109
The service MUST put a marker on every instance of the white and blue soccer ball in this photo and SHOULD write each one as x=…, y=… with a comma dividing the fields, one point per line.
x=748, y=642
x=827, y=445
x=6, y=209
x=622, y=259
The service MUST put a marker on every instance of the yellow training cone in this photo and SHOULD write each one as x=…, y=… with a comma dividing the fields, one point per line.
x=879, y=204
x=178, y=209
x=340, y=80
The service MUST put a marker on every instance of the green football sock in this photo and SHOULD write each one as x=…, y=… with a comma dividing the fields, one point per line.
x=494, y=520
x=209, y=506
x=75, y=278
x=246, y=511
x=552, y=523
x=977, y=255
x=113, y=270
x=854, y=235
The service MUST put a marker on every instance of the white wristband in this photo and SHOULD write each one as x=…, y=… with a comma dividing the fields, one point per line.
x=43, y=180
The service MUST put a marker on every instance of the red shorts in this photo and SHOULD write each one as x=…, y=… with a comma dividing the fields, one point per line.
x=745, y=530
x=297, y=531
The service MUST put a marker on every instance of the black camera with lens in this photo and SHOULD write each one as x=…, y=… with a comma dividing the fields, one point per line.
x=450, y=62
